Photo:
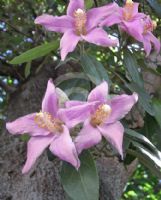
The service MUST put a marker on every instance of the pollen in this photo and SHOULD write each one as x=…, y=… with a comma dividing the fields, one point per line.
x=102, y=113
x=80, y=21
x=47, y=121
x=128, y=10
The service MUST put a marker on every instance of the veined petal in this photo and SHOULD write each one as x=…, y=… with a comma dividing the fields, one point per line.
x=64, y=148
x=50, y=101
x=76, y=114
x=88, y=137
x=135, y=9
x=57, y=24
x=68, y=43
x=120, y=106
x=26, y=124
x=99, y=93
x=96, y=15
x=114, y=134
x=99, y=37
x=35, y=148
x=74, y=5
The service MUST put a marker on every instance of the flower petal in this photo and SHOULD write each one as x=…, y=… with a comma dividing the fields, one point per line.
x=120, y=106
x=114, y=134
x=50, y=101
x=111, y=20
x=99, y=93
x=88, y=137
x=35, y=147
x=95, y=15
x=57, y=24
x=76, y=114
x=155, y=42
x=64, y=148
x=24, y=125
x=68, y=43
x=74, y=5
x=130, y=28
x=72, y=103
x=99, y=37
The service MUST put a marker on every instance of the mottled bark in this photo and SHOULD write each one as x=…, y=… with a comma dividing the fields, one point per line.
x=42, y=183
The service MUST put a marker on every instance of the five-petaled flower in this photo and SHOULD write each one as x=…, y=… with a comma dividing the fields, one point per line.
x=79, y=25
x=46, y=129
x=100, y=115
x=136, y=24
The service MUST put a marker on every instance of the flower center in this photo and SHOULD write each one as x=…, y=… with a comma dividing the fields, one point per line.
x=80, y=21
x=101, y=114
x=149, y=25
x=128, y=10
x=46, y=121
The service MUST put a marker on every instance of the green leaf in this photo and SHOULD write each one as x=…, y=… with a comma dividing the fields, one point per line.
x=27, y=69
x=132, y=67
x=94, y=69
x=35, y=53
x=157, y=110
x=89, y=4
x=156, y=6
x=137, y=137
x=144, y=98
x=84, y=183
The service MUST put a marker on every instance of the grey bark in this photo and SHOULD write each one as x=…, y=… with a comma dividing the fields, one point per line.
x=42, y=183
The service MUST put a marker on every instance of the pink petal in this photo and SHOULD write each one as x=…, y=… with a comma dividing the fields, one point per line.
x=130, y=28
x=111, y=20
x=57, y=24
x=114, y=134
x=68, y=43
x=74, y=5
x=135, y=9
x=95, y=15
x=64, y=148
x=88, y=137
x=99, y=37
x=50, y=101
x=35, y=148
x=76, y=114
x=26, y=124
x=155, y=42
x=120, y=106
x=70, y=104
x=99, y=93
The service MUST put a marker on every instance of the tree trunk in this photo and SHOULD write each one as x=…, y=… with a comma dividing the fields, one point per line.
x=42, y=182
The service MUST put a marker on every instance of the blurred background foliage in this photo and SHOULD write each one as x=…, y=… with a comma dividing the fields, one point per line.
x=18, y=33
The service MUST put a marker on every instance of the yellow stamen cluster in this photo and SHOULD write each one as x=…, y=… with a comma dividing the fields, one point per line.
x=101, y=114
x=46, y=121
x=128, y=10
x=80, y=22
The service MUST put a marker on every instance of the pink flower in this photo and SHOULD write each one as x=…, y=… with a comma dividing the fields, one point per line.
x=46, y=129
x=136, y=24
x=101, y=116
x=79, y=25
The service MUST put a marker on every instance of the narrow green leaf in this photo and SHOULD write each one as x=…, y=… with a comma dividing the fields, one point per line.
x=132, y=67
x=156, y=6
x=89, y=3
x=84, y=183
x=144, y=98
x=27, y=69
x=35, y=53
x=94, y=69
